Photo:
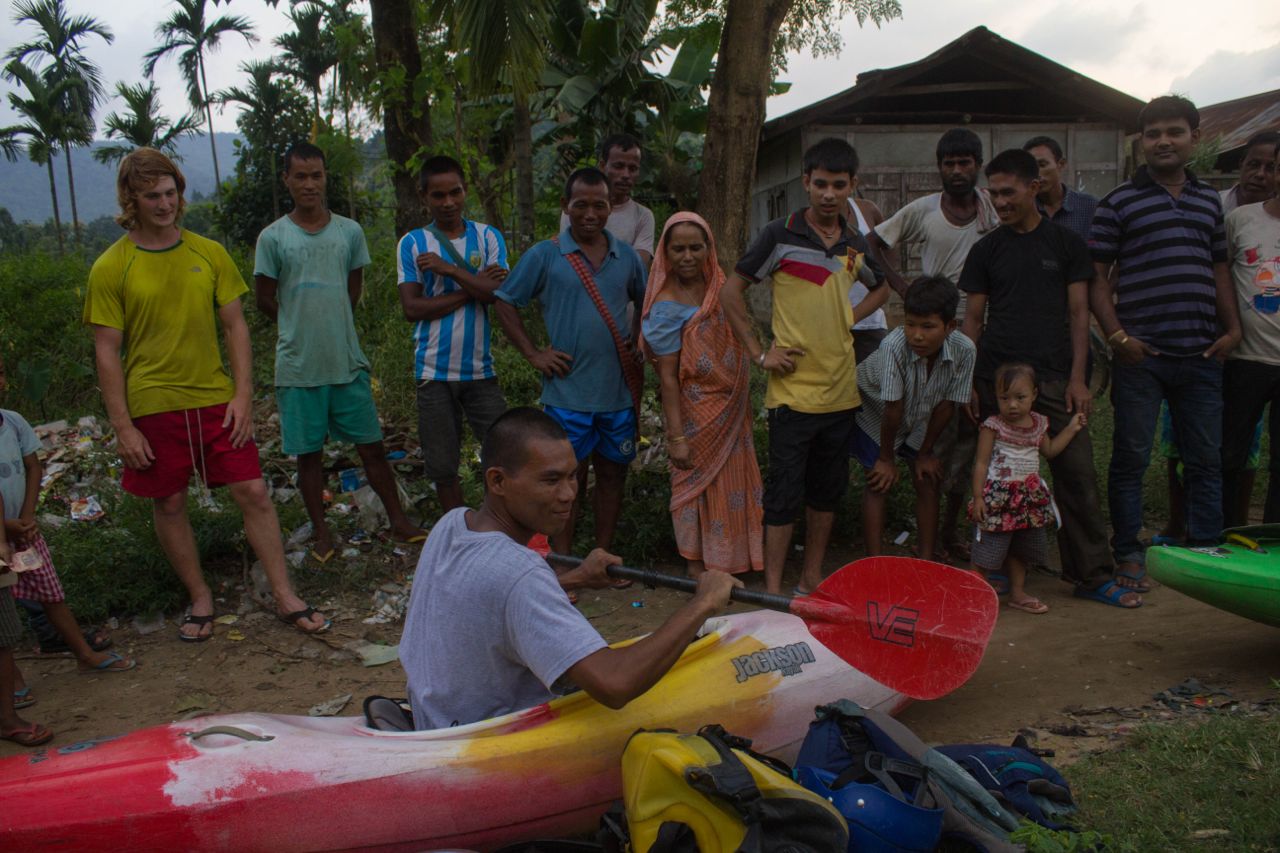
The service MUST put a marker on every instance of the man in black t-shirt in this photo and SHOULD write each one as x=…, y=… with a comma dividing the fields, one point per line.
x=1030, y=280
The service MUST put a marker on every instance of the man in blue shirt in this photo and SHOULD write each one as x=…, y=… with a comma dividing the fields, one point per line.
x=1170, y=320
x=585, y=386
x=1056, y=201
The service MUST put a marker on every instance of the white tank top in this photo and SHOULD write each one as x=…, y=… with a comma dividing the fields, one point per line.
x=857, y=293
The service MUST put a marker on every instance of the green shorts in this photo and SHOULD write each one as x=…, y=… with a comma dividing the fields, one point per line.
x=341, y=412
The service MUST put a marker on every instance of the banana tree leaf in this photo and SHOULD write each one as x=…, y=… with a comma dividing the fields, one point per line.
x=577, y=93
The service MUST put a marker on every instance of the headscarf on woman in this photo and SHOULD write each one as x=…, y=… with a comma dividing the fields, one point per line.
x=714, y=378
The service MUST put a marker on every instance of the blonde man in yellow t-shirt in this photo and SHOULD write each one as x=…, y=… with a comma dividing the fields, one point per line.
x=811, y=260
x=158, y=295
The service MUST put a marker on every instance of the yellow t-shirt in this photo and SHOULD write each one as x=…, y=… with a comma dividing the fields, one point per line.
x=166, y=303
x=811, y=311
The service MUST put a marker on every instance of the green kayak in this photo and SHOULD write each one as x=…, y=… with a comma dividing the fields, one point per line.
x=1241, y=576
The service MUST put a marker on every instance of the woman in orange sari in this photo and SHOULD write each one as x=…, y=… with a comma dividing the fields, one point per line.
x=716, y=493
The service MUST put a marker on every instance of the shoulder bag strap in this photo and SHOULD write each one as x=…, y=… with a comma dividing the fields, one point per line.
x=632, y=372
x=449, y=248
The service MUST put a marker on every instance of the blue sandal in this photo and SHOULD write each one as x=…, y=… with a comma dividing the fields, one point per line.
x=1139, y=578
x=23, y=698
x=999, y=582
x=1109, y=593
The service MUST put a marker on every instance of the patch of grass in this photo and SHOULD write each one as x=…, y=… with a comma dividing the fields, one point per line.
x=1171, y=782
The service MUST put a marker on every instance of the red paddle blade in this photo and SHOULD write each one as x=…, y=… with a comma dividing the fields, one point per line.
x=916, y=626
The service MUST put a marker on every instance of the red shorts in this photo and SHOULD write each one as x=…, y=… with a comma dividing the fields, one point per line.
x=187, y=441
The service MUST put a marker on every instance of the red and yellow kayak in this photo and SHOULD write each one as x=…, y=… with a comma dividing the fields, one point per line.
x=248, y=782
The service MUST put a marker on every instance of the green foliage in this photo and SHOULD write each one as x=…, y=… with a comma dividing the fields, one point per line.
x=115, y=566
x=810, y=24
x=142, y=125
x=46, y=350
x=1037, y=839
x=1170, y=780
x=275, y=115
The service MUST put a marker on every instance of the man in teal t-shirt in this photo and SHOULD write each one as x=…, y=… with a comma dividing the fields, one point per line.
x=309, y=273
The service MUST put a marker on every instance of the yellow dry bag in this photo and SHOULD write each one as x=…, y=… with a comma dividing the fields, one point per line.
x=709, y=793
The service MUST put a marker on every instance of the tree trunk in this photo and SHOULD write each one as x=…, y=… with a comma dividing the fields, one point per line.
x=735, y=114
x=524, y=170
x=406, y=123
x=71, y=188
x=208, y=114
x=53, y=193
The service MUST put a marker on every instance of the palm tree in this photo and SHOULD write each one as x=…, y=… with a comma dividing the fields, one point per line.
x=142, y=126
x=188, y=34
x=45, y=126
x=59, y=41
x=308, y=52
x=506, y=41
x=264, y=100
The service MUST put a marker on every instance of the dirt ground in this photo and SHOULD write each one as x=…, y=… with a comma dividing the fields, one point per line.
x=1078, y=677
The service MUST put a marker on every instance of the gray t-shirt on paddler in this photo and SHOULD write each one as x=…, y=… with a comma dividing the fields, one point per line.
x=488, y=630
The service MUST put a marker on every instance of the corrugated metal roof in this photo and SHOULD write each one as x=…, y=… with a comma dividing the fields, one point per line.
x=1236, y=121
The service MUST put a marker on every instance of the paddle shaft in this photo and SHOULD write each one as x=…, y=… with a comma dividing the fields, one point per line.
x=648, y=577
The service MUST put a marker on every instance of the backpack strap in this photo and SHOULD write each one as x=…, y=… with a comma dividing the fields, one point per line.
x=632, y=371
x=732, y=783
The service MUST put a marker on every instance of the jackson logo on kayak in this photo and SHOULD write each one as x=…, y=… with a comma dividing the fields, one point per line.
x=786, y=660
x=897, y=626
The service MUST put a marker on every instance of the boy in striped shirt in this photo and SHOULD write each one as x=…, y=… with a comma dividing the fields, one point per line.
x=448, y=272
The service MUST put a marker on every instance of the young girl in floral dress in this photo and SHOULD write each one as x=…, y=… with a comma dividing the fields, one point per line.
x=1012, y=506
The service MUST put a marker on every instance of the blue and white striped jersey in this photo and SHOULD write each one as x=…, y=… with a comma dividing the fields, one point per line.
x=454, y=348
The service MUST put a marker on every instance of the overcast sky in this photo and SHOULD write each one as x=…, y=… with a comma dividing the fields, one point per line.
x=1210, y=51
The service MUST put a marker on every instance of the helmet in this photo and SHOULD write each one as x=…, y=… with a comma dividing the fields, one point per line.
x=880, y=820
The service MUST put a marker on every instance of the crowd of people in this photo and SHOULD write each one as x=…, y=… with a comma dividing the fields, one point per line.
x=988, y=372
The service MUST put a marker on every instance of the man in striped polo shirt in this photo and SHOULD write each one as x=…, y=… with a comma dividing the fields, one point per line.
x=1171, y=320
x=448, y=272
x=811, y=259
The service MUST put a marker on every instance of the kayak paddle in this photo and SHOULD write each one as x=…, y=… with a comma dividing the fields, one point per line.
x=915, y=626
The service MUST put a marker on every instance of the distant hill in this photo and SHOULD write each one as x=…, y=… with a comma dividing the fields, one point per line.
x=24, y=186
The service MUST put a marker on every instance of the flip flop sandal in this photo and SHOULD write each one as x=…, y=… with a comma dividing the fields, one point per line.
x=200, y=622
x=23, y=699
x=114, y=662
x=295, y=618
x=1032, y=605
x=1109, y=593
x=323, y=558
x=32, y=734
x=622, y=583
x=1141, y=583
x=798, y=591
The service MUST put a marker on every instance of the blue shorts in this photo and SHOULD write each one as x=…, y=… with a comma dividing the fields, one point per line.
x=611, y=434
x=866, y=449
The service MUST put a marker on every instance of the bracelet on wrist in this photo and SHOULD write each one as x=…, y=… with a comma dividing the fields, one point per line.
x=760, y=360
x=676, y=439
x=1118, y=333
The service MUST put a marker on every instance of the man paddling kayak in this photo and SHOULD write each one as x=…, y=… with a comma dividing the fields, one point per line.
x=489, y=628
